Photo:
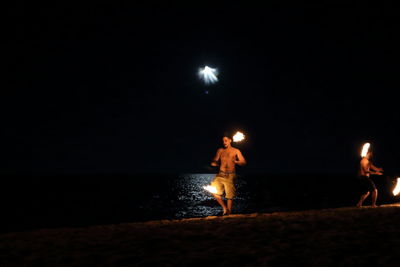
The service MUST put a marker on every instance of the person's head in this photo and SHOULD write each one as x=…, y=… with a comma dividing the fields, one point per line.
x=226, y=140
x=369, y=154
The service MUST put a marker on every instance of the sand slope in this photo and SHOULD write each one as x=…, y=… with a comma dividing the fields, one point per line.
x=330, y=237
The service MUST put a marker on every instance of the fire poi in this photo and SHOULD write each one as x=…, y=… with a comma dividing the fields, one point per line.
x=210, y=189
x=365, y=149
x=238, y=137
x=396, y=190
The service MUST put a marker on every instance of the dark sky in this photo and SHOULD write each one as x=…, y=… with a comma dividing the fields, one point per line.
x=113, y=88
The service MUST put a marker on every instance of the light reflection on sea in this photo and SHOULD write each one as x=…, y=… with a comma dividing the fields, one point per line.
x=89, y=200
x=196, y=202
x=183, y=196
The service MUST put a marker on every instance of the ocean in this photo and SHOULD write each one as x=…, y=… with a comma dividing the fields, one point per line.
x=35, y=202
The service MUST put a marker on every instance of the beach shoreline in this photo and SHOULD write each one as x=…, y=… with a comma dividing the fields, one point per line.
x=347, y=236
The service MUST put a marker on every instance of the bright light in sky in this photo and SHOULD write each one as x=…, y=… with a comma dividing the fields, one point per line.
x=208, y=75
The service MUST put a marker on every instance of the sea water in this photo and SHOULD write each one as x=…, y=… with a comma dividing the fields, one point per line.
x=32, y=202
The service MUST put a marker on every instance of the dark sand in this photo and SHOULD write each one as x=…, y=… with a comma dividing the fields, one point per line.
x=330, y=237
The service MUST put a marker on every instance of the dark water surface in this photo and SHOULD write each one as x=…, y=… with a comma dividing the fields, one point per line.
x=34, y=202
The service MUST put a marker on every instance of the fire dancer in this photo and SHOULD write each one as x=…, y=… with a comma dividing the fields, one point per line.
x=226, y=158
x=368, y=186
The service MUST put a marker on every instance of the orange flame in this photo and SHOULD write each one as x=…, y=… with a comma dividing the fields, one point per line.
x=210, y=189
x=396, y=190
x=365, y=149
x=238, y=137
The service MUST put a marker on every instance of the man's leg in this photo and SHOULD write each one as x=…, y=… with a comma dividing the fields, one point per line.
x=374, y=197
x=230, y=191
x=222, y=203
x=229, y=202
x=363, y=197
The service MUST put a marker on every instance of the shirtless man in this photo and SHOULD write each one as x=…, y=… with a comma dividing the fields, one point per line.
x=368, y=185
x=226, y=158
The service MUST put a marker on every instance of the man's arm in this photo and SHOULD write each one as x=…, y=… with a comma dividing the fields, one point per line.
x=215, y=160
x=241, y=161
x=377, y=170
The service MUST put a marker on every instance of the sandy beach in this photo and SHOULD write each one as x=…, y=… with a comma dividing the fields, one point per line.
x=329, y=237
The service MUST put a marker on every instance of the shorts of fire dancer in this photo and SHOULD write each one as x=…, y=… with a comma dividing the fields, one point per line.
x=225, y=182
x=367, y=184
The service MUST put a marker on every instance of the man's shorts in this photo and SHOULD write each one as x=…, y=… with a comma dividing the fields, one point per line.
x=367, y=184
x=225, y=182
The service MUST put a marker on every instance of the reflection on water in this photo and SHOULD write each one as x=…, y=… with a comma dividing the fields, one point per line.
x=197, y=202
x=39, y=202
x=183, y=196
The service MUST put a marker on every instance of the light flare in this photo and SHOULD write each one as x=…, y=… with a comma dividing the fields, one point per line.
x=365, y=149
x=208, y=75
x=211, y=189
x=238, y=137
x=396, y=190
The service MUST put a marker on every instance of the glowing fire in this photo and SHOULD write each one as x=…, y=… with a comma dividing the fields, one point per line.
x=210, y=189
x=238, y=137
x=365, y=149
x=396, y=190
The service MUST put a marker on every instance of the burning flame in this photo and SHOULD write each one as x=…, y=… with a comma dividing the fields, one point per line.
x=396, y=190
x=238, y=137
x=365, y=149
x=210, y=189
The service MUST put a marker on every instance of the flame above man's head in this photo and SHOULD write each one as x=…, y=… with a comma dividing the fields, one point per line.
x=238, y=137
x=365, y=149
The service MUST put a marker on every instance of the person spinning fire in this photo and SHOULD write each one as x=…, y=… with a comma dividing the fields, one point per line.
x=368, y=186
x=226, y=158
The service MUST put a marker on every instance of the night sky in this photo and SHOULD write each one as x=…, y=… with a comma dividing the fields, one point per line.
x=113, y=88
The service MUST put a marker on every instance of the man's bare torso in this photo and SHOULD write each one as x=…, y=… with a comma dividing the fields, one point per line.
x=365, y=166
x=227, y=157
